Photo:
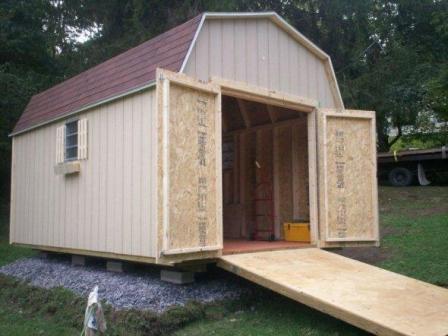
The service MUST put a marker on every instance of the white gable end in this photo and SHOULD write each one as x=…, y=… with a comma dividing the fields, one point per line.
x=256, y=50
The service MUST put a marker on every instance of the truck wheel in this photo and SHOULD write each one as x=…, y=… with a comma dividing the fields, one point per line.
x=400, y=177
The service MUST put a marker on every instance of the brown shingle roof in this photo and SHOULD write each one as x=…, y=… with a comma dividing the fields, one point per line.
x=129, y=70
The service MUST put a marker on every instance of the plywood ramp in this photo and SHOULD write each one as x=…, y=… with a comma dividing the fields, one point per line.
x=379, y=301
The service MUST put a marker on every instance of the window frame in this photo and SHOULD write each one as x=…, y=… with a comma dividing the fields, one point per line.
x=66, y=136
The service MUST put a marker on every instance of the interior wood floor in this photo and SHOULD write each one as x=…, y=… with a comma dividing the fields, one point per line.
x=235, y=246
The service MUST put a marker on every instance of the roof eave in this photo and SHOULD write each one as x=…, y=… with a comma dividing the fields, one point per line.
x=135, y=90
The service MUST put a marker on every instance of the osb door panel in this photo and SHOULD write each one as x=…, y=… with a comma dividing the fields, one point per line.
x=190, y=208
x=348, y=210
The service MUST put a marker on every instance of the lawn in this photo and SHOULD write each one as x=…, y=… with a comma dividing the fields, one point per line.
x=414, y=226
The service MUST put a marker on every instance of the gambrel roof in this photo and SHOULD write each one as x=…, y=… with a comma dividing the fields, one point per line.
x=134, y=70
x=118, y=75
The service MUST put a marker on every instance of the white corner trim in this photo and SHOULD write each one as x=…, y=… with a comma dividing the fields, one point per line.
x=332, y=73
x=193, y=43
x=300, y=37
x=165, y=162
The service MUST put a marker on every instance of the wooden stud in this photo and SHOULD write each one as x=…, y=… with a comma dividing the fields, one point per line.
x=276, y=185
x=244, y=113
x=225, y=124
x=294, y=170
x=266, y=126
x=243, y=162
x=313, y=177
x=272, y=113
x=218, y=172
x=236, y=169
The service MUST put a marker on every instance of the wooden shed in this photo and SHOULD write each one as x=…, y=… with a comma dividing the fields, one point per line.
x=198, y=145
x=200, y=142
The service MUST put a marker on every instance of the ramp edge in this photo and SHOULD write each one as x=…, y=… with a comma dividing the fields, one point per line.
x=308, y=300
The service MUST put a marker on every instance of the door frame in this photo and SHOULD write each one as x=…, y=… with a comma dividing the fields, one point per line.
x=310, y=106
x=316, y=160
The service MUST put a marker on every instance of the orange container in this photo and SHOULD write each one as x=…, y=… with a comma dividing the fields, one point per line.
x=299, y=232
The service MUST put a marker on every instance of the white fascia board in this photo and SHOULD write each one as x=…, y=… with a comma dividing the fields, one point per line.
x=332, y=73
x=192, y=44
x=88, y=107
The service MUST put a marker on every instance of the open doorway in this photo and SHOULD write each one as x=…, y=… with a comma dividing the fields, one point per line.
x=264, y=174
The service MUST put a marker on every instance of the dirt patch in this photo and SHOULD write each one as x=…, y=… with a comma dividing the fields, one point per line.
x=426, y=212
x=413, y=201
x=389, y=231
x=369, y=255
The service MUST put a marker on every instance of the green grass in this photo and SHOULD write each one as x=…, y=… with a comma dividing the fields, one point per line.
x=14, y=324
x=271, y=314
x=420, y=251
x=417, y=219
x=415, y=225
x=25, y=310
x=414, y=222
x=28, y=310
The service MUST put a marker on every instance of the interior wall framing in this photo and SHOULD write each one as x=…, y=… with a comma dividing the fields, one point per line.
x=281, y=150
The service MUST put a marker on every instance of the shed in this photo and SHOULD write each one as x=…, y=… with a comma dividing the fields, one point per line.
x=200, y=142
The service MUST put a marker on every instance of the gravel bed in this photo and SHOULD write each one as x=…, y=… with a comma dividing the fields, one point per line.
x=138, y=289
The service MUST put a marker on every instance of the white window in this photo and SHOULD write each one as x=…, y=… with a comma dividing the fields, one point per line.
x=71, y=141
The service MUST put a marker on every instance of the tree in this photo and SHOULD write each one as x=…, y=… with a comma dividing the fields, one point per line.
x=34, y=35
x=390, y=57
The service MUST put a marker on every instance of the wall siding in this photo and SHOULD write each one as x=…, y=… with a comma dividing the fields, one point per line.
x=104, y=208
x=258, y=52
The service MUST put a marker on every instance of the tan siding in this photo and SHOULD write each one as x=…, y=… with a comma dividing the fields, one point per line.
x=258, y=52
x=240, y=46
x=107, y=206
x=263, y=52
x=146, y=178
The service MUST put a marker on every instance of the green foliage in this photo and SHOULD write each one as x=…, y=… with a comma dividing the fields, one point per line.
x=390, y=57
x=36, y=37
x=421, y=141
